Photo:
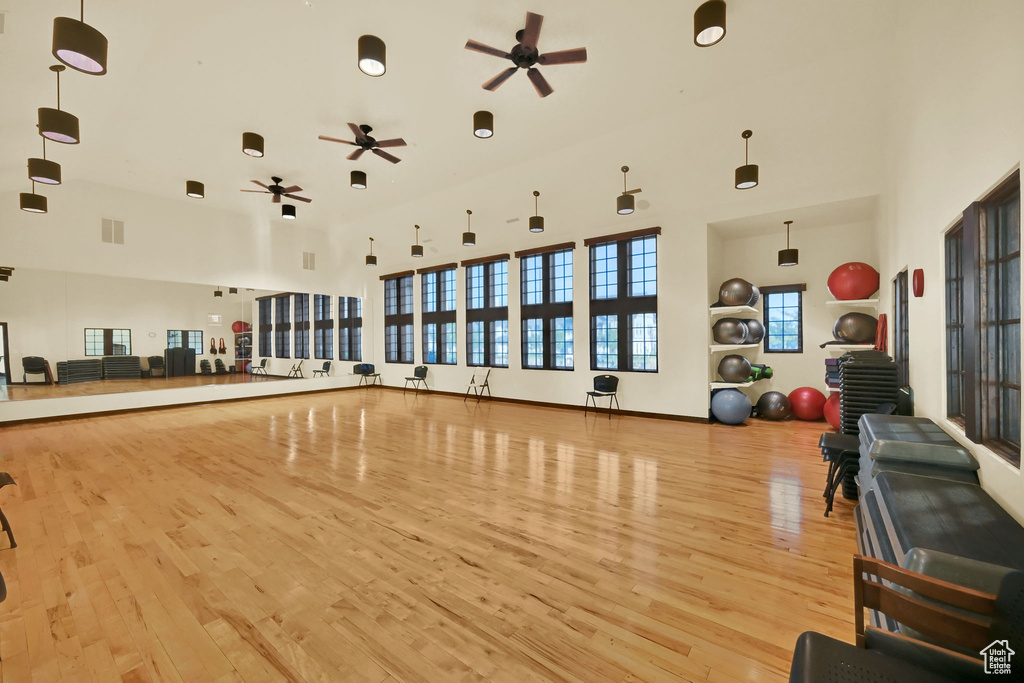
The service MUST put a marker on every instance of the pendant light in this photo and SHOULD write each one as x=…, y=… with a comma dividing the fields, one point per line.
x=371, y=260
x=417, y=249
x=252, y=144
x=32, y=202
x=357, y=179
x=232, y=290
x=709, y=23
x=469, y=237
x=787, y=256
x=536, y=222
x=625, y=203
x=55, y=124
x=195, y=189
x=372, y=56
x=217, y=293
x=746, y=175
x=43, y=170
x=79, y=45
x=288, y=211
x=483, y=124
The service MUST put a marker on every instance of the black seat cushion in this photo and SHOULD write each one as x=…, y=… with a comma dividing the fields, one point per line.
x=820, y=659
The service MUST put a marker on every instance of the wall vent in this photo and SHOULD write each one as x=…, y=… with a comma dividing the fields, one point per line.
x=112, y=231
x=308, y=260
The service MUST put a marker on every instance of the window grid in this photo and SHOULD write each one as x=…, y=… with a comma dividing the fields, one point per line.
x=783, y=321
x=604, y=271
x=185, y=339
x=430, y=343
x=606, y=342
x=643, y=270
x=623, y=286
x=499, y=337
x=448, y=344
x=487, y=304
x=955, y=324
x=546, y=297
x=429, y=288
x=100, y=341
x=301, y=308
x=438, y=322
x=282, y=327
x=645, y=341
x=323, y=328
x=350, y=322
x=475, y=286
x=398, y=313
x=475, y=342
x=266, y=328
x=533, y=280
x=533, y=343
x=561, y=276
x=93, y=342
x=563, y=344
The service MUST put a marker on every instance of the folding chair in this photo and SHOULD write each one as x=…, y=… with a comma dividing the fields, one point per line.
x=324, y=370
x=296, y=370
x=419, y=376
x=260, y=369
x=604, y=385
x=6, y=479
x=478, y=386
x=367, y=374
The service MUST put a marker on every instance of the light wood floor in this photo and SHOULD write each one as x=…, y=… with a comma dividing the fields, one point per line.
x=23, y=392
x=374, y=536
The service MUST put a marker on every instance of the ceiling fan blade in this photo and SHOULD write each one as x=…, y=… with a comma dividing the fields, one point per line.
x=539, y=82
x=531, y=34
x=298, y=198
x=500, y=78
x=267, y=187
x=356, y=154
x=576, y=56
x=276, y=199
x=291, y=188
x=486, y=49
x=344, y=142
x=385, y=155
x=357, y=131
x=258, y=191
x=394, y=142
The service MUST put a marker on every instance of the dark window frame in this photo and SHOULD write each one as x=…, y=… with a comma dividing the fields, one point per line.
x=767, y=290
x=282, y=326
x=350, y=328
x=954, y=319
x=187, y=340
x=547, y=311
x=323, y=327
x=437, y=312
x=399, y=344
x=300, y=315
x=901, y=326
x=108, y=341
x=266, y=326
x=489, y=314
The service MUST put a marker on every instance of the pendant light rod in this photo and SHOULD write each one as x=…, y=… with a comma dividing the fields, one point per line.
x=625, y=170
x=371, y=246
x=81, y=11
x=788, y=223
x=469, y=219
x=44, y=148
x=57, y=68
x=417, y=233
x=536, y=206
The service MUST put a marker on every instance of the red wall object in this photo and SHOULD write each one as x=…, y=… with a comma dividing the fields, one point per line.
x=831, y=409
x=854, y=280
x=919, y=282
x=240, y=326
x=807, y=402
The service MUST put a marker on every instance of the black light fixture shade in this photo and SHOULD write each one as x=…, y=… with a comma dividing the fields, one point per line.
x=357, y=179
x=483, y=124
x=624, y=203
x=59, y=126
x=80, y=46
x=709, y=23
x=469, y=237
x=417, y=249
x=746, y=175
x=232, y=290
x=536, y=221
x=372, y=56
x=195, y=189
x=44, y=171
x=217, y=293
x=787, y=256
x=252, y=144
x=288, y=211
x=371, y=260
x=33, y=203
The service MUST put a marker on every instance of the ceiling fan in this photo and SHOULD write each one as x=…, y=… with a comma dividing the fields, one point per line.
x=278, y=191
x=526, y=56
x=365, y=143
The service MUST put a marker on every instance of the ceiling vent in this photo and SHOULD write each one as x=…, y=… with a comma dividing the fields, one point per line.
x=308, y=260
x=113, y=231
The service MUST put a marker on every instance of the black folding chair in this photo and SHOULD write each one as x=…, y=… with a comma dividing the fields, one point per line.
x=367, y=375
x=604, y=385
x=478, y=386
x=6, y=479
x=260, y=369
x=324, y=370
x=419, y=376
x=296, y=370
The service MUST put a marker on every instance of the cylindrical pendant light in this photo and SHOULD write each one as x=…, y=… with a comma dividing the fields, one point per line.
x=536, y=222
x=371, y=260
x=79, y=45
x=787, y=256
x=195, y=189
x=469, y=237
x=372, y=56
x=625, y=203
x=417, y=249
x=357, y=179
x=709, y=23
x=746, y=175
x=217, y=294
x=483, y=124
x=288, y=211
x=252, y=144
x=32, y=202
x=43, y=170
x=58, y=125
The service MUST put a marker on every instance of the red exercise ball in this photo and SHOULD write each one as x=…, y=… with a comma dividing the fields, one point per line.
x=808, y=403
x=853, y=280
x=832, y=409
x=239, y=326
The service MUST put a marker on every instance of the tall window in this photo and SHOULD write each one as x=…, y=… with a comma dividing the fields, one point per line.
x=350, y=328
x=101, y=341
x=990, y=291
x=398, y=320
x=301, y=326
x=185, y=339
x=783, y=318
x=266, y=330
x=955, y=324
x=282, y=326
x=546, y=303
x=487, y=311
x=624, y=301
x=438, y=288
x=901, y=328
x=323, y=327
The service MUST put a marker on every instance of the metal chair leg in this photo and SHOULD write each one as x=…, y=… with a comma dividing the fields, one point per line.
x=6, y=526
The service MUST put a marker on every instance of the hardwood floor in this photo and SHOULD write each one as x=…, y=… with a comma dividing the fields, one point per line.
x=376, y=536
x=23, y=392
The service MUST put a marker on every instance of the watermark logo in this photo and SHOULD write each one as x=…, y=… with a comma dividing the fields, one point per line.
x=997, y=656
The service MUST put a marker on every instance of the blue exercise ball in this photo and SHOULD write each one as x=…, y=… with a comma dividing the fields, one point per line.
x=731, y=406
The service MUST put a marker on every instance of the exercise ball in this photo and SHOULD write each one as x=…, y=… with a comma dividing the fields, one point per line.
x=808, y=403
x=730, y=406
x=755, y=331
x=729, y=331
x=735, y=292
x=855, y=328
x=773, y=405
x=239, y=326
x=832, y=409
x=755, y=297
x=853, y=280
x=734, y=368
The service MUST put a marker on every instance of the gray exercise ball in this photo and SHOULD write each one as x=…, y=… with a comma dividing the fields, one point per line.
x=734, y=368
x=730, y=406
x=735, y=292
x=729, y=331
x=755, y=297
x=855, y=328
x=774, y=405
x=755, y=331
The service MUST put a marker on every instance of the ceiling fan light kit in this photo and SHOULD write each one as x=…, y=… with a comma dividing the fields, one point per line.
x=469, y=237
x=372, y=56
x=787, y=256
x=536, y=221
x=252, y=144
x=288, y=212
x=32, y=202
x=417, y=249
x=709, y=23
x=371, y=260
x=746, y=175
x=79, y=45
x=624, y=203
x=195, y=189
x=357, y=179
x=58, y=125
x=483, y=124
x=44, y=171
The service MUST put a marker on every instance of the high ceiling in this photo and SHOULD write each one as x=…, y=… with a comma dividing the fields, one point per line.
x=187, y=78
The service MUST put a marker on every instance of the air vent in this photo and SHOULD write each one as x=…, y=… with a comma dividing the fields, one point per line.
x=113, y=231
x=308, y=260
x=512, y=220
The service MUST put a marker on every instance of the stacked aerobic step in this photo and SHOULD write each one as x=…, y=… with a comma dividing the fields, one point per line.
x=122, y=367
x=72, y=371
x=832, y=373
x=867, y=379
